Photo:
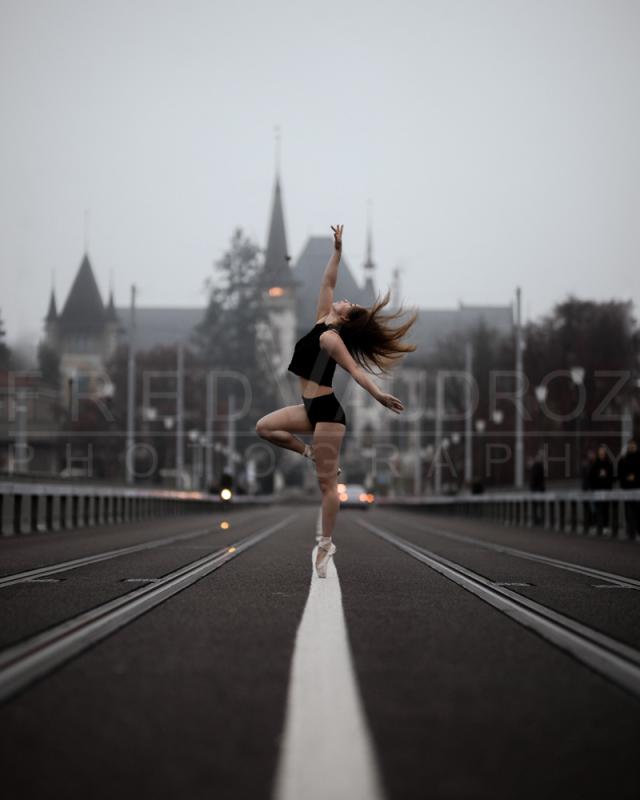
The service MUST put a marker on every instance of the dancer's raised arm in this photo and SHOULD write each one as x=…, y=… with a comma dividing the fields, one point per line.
x=330, y=276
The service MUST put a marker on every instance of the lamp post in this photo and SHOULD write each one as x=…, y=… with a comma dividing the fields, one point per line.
x=519, y=415
x=455, y=441
x=21, y=446
x=480, y=428
x=541, y=393
x=209, y=432
x=194, y=436
x=131, y=390
x=231, y=436
x=577, y=377
x=202, y=464
x=180, y=415
x=437, y=477
x=468, y=431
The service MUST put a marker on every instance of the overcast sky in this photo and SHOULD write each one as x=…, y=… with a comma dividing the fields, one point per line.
x=496, y=140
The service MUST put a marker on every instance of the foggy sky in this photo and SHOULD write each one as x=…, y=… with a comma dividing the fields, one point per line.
x=497, y=142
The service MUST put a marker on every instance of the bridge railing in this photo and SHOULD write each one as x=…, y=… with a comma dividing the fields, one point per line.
x=569, y=511
x=31, y=507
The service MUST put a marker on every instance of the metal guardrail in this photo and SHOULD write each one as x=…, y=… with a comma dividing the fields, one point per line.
x=31, y=507
x=570, y=511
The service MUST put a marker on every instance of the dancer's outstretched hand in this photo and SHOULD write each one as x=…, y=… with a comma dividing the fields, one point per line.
x=337, y=236
x=389, y=401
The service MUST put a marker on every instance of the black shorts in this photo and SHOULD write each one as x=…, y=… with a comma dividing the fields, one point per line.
x=324, y=408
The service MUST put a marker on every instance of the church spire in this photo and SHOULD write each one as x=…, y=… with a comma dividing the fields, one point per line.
x=110, y=311
x=369, y=267
x=277, y=271
x=52, y=313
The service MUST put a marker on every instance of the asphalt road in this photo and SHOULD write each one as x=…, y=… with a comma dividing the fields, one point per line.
x=190, y=697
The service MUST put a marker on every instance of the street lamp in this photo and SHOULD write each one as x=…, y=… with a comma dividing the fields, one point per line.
x=194, y=435
x=149, y=413
x=541, y=394
x=577, y=375
x=480, y=426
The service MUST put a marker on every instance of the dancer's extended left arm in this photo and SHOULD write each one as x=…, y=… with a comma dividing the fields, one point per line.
x=337, y=349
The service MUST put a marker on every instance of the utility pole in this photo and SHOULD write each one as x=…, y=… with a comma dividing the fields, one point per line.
x=208, y=470
x=468, y=419
x=21, y=446
x=519, y=416
x=131, y=391
x=180, y=417
x=231, y=437
x=437, y=475
x=418, y=403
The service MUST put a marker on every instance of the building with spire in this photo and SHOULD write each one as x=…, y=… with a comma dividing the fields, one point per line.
x=85, y=333
x=278, y=286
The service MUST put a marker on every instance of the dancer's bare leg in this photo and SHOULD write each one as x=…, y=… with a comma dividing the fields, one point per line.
x=279, y=426
x=327, y=440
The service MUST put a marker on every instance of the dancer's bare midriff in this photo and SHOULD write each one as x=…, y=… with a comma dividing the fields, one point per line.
x=310, y=389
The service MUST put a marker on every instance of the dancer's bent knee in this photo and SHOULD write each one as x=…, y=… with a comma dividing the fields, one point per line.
x=328, y=485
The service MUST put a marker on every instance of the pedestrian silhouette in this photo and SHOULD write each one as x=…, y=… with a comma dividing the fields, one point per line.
x=629, y=477
x=601, y=479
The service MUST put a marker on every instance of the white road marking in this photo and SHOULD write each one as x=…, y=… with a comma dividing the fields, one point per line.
x=326, y=751
x=34, y=658
x=614, y=659
x=619, y=580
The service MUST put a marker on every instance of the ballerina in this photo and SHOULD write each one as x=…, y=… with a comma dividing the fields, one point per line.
x=357, y=338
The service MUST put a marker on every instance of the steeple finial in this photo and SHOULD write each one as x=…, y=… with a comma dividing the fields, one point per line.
x=278, y=149
x=396, y=287
x=86, y=230
x=369, y=266
x=52, y=313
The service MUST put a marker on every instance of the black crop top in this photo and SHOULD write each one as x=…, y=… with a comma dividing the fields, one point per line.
x=310, y=360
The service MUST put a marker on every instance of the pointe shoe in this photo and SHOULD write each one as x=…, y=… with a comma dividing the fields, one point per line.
x=328, y=548
x=308, y=453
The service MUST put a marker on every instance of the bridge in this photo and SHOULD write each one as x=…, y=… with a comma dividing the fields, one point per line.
x=167, y=645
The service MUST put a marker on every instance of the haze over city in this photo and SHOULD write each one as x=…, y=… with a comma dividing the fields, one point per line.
x=495, y=144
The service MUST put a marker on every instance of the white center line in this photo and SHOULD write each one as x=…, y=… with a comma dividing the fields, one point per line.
x=326, y=751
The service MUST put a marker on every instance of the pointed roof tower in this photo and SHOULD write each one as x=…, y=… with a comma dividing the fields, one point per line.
x=277, y=270
x=369, y=290
x=52, y=313
x=110, y=313
x=84, y=309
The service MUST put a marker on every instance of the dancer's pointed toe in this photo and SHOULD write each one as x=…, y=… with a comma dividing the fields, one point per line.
x=327, y=548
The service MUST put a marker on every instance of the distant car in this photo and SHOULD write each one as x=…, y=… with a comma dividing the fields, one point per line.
x=354, y=495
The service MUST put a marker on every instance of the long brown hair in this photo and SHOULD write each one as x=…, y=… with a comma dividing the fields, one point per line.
x=372, y=340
